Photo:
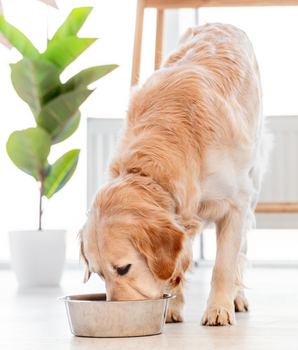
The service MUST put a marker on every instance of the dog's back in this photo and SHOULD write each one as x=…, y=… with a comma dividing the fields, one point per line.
x=226, y=59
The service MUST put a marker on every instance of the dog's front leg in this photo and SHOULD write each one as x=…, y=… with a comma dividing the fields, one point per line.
x=220, y=305
x=176, y=305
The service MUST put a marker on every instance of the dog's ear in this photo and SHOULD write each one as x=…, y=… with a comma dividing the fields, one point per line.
x=160, y=240
x=83, y=257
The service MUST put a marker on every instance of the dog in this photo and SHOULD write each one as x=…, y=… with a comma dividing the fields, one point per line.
x=193, y=152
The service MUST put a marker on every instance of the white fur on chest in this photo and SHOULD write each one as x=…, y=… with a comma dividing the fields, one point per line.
x=224, y=181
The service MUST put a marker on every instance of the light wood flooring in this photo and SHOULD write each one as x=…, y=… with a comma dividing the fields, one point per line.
x=33, y=319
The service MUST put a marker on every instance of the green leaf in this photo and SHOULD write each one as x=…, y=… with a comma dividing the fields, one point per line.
x=88, y=76
x=61, y=116
x=60, y=173
x=36, y=82
x=18, y=39
x=29, y=149
x=64, y=51
x=73, y=23
x=47, y=168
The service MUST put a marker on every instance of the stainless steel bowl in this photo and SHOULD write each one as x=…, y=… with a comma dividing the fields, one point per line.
x=90, y=315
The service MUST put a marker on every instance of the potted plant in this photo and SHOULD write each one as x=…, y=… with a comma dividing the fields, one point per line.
x=38, y=256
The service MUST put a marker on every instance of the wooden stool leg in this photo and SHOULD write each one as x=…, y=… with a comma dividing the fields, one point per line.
x=159, y=38
x=138, y=43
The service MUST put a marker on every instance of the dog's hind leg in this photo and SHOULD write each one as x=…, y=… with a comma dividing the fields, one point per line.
x=240, y=301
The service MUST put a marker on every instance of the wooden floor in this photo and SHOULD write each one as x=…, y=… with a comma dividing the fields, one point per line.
x=33, y=319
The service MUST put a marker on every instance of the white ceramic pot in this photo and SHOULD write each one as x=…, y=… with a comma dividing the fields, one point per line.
x=38, y=257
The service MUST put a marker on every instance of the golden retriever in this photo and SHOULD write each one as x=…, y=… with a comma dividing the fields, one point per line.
x=192, y=153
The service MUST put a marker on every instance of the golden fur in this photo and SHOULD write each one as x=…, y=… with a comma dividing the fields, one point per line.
x=193, y=152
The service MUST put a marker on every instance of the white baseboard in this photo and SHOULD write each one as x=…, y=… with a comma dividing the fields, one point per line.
x=71, y=264
x=257, y=264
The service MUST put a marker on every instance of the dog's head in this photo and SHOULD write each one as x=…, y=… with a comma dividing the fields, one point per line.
x=131, y=239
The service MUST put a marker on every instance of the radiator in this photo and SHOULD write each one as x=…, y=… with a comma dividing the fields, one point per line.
x=280, y=183
x=102, y=137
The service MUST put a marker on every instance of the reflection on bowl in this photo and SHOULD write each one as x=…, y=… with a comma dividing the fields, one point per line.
x=90, y=315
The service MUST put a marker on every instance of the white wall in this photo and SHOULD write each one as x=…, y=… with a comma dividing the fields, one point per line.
x=274, y=34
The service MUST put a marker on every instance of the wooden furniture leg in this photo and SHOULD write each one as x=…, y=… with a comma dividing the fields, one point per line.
x=138, y=43
x=159, y=38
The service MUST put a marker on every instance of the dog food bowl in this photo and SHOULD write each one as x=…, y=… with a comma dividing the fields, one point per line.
x=90, y=315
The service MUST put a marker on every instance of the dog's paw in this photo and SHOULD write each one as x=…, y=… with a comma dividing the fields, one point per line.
x=175, y=310
x=240, y=302
x=174, y=316
x=218, y=316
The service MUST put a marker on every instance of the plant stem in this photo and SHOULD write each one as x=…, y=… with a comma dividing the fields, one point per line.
x=40, y=198
x=40, y=210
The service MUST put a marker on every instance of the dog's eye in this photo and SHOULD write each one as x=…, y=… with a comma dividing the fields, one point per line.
x=124, y=270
